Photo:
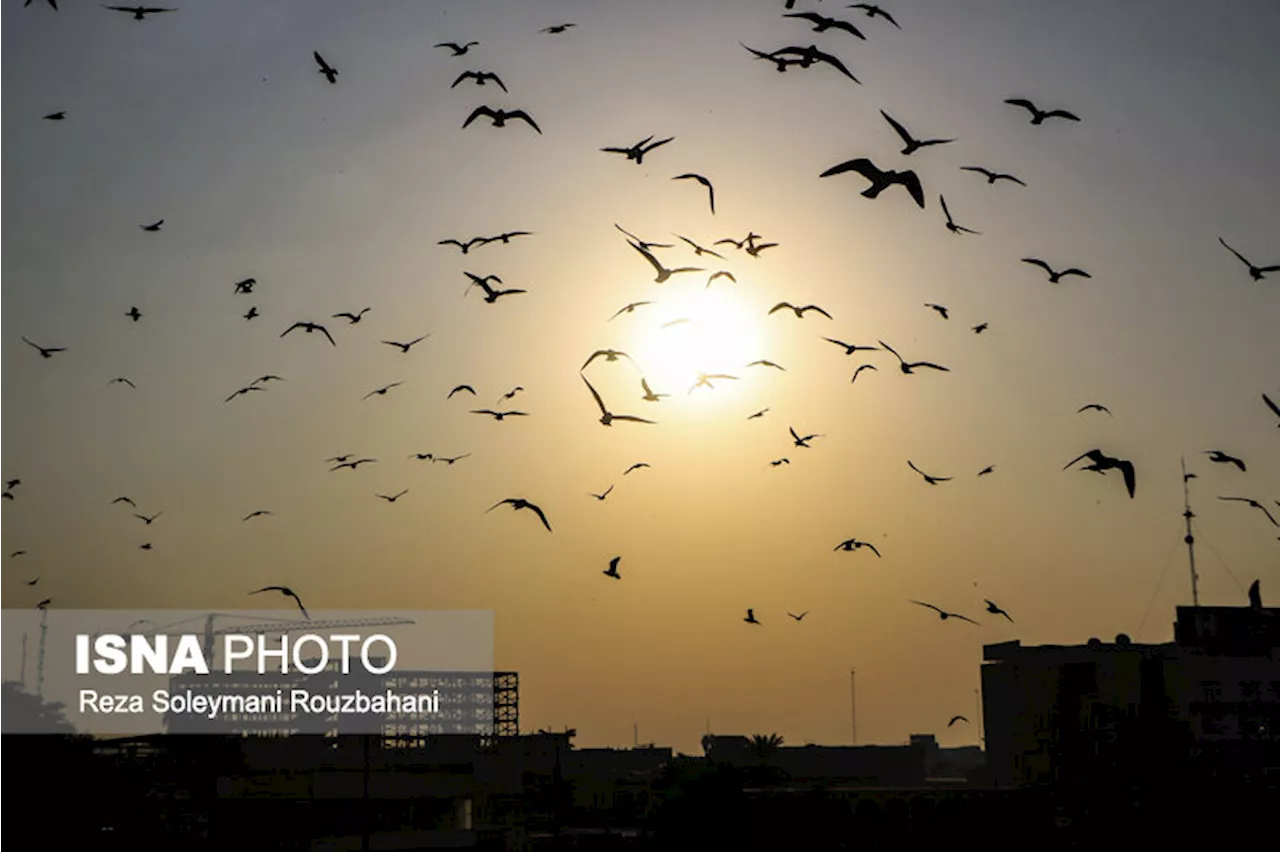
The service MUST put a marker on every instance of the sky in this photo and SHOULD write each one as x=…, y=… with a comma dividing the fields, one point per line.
x=215, y=118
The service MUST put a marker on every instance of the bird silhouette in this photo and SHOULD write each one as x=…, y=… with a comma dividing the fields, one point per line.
x=330, y=73
x=45, y=351
x=1054, y=277
x=608, y=355
x=257, y=514
x=711, y=193
x=850, y=348
x=1255, y=272
x=635, y=466
x=909, y=367
x=981, y=327
x=1096, y=407
x=1223, y=458
x=450, y=461
x=612, y=570
x=351, y=318
x=124, y=381
x=1038, y=115
x=558, y=28
x=134, y=314
x=986, y=470
x=601, y=497
x=244, y=390
x=777, y=462
x=422, y=456
x=1102, y=463
x=628, y=309
x=251, y=313
x=852, y=544
x=943, y=614
x=995, y=610
x=663, y=272
x=287, y=592
x=500, y=415
x=124, y=500
x=759, y=413
x=464, y=246
x=518, y=503
x=799, y=617
x=781, y=63
x=353, y=464
x=480, y=77
x=821, y=23
x=880, y=179
x=490, y=295
x=340, y=458
x=801, y=442
x=404, y=347
x=991, y=176
x=245, y=286
x=309, y=327
x=458, y=49
x=637, y=151
x=44, y=604
x=382, y=391
x=149, y=520
x=649, y=395
x=509, y=394
x=393, y=498
x=932, y=480
x=810, y=55
x=860, y=368
x=765, y=363
x=955, y=719
x=697, y=249
x=606, y=416
x=751, y=617
x=939, y=308
x=912, y=144
x=1270, y=404
x=60, y=115
x=873, y=11
x=704, y=380
x=720, y=274
x=754, y=250
x=500, y=116
x=505, y=238
x=153, y=227
x=951, y=225
x=799, y=311
x=1255, y=504
x=139, y=12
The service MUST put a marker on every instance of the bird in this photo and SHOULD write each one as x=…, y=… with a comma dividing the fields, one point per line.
x=480, y=77
x=339, y=458
x=464, y=246
x=309, y=327
x=608, y=354
x=1096, y=407
x=350, y=317
x=765, y=363
x=821, y=23
x=851, y=544
x=637, y=151
x=461, y=388
x=287, y=592
x=799, y=617
x=1055, y=276
x=951, y=225
x=505, y=238
x=601, y=497
x=635, y=466
x=1038, y=115
x=251, y=313
x=510, y=394
x=801, y=442
x=8, y=496
x=458, y=49
x=450, y=461
x=134, y=314
x=1270, y=404
x=799, y=311
x=908, y=368
x=860, y=368
x=149, y=520
x=382, y=391
x=500, y=415
x=955, y=719
x=518, y=503
x=422, y=456
x=782, y=63
x=943, y=614
x=45, y=351
x=1224, y=458
x=1255, y=504
x=245, y=286
x=44, y=603
x=932, y=480
x=850, y=348
x=612, y=570
x=759, y=413
x=122, y=380
x=500, y=116
x=649, y=395
x=711, y=192
x=60, y=115
x=754, y=250
x=995, y=610
x=986, y=470
x=607, y=417
x=981, y=327
x=558, y=28
x=628, y=309
x=154, y=226
x=939, y=308
x=145, y=546
x=394, y=497
x=880, y=179
x=1102, y=463
x=912, y=144
x=777, y=462
x=704, y=380
x=13, y=483
x=17, y=553
x=330, y=73
x=404, y=347
x=872, y=11
x=1255, y=272
x=257, y=514
x=720, y=274
x=697, y=249
x=663, y=272
x=807, y=56
x=352, y=464
x=751, y=617
x=490, y=295
x=992, y=177
x=33, y=582
x=139, y=12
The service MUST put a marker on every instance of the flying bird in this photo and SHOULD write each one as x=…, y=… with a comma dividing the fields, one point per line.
x=637, y=151
x=939, y=308
x=458, y=49
x=422, y=456
x=1101, y=463
x=704, y=380
x=309, y=327
x=932, y=480
x=860, y=368
x=609, y=355
x=1255, y=504
x=995, y=610
x=782, y=63
x=139, y=12
x=721, y=274
x=257, y=514
x=330, y=73
x=464, y=246
x=404, y=347
x=450, y=461
x=764, y=363
x=808, y=56
x=612, y=570
x=147, y=520
x=777, y=462
x=133, y=313
x=1038, y=115
x=697, y=249
x=56, y=116
x=850, y=348
x=751, y=617
x=635, y=466
x=607, y=417
x=17, y=553
x=480, y=77
x=759, y=413
x=518, y=503
x=1223, y=458
x=754, y=250
x=909, y=367
x=351, y=318
x=1270, y=404
x=500, y=415
x=500, y=116
x=880, y=179
x=287, y=592
x=628, y=309
x=154, y=226
x=511, y=394
x=854, y=544
x=45, y=351
x=711, y=193
x=1055, y=276
x=981, y=327
x=799, y=311
x=505, y=238
x=872, y=11
x=394, y=497
x=1096, y=407
x=558, y=28
x=955, y=719
x=491, y=295
x=801, y=442
x=912, y=144
x=821, y=23
x=663, y=272
x=951, y=225
x=352, y=464
x=799, y=617
x=649, y=395
x=382, y=391
x=245, y=286
x=251, y=313
x=986, y=470
x=122, y=380
x=124, y=500
x=601, y=497
x=943, y=614
x=991, y=176
x=1255, y=272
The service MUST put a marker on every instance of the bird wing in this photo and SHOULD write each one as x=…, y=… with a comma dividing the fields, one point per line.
x=649, y=257
x=931, y=366
x=782, y=305
x=1035, y=261
x=596, y=395
x=963, y=618
x=464, y=75
x=324, y=66
x=872, y=546
x=1233, y=251
x=1074, y=271
x=847, y=27
x=1061, y=113
x=477, y=112
x=979, y=170
x=898, y=128
x=526, y=117
x=1024, y=103
x=540, y=514
x=945, y=211
x=929, y=605
x=1095, y=455
x=861, y=165
x=911, y=181
x=816, y=308
x=890, y=349
x=327, y=334
x=912, y=465
x=834, y=61
x=1271, y=404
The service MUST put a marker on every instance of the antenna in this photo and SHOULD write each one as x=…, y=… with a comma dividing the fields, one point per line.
x=853, y=707
x=23, y=676
x=1189, y=538
x=44, y=628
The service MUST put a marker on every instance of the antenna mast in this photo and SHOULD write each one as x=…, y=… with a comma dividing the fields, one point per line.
x=23, y=677
x=44, y=628
x=1189, y=538
x=853, y=707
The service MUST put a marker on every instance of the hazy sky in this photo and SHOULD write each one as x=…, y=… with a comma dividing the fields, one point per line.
x=334, y=198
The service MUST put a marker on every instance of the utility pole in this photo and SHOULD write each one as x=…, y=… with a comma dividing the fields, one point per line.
x=1189, y=538
x=635, y=735
x=23, y=676
x=853, y=707
x=44, y=629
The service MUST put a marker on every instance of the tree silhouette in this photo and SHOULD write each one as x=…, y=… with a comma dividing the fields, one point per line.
x=25, y=713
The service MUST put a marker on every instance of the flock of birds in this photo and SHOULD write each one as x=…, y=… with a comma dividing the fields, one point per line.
x=878, y=178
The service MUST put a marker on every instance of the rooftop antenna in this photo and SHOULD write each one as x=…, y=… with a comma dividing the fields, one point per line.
x=853, y=707
x=44, y=629
x=23, y=675
x=1189, y=538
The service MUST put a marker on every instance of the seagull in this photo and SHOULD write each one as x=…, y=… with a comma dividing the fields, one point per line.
x=880, y=179
x=246, y=286
x=262, y=380
x=124, y=500
x=932, y=480
x=510, y=394
x=393, y=498
x=606, y=416
x=799, y=617
x=612, y=570
x=1038, y=115
x=697, y=249
x=146, y=546
x=995, y=610
x=601, y=497
x=352, y=464
x=939, y=308
x=287, y=592
x=711, y=192
x=992, y=177
x=751, y=617
x=500, y=415
x=450, y=461
x=801, y=442
x=637, y=151
x=755, y=250
x=17, y=553
x=821, y=23
x=809, y=55
x=943, y=614
x=721, y=274
x=704, y=380
x=759, y=413
x=988, y=469
x=644, y=245
x=850, y=348
x=139, y=12
x=908, y=368
x=134, y=314
x=491, y=295
x=663, y=272
x=1255, y=504
x=981, y=327
x=955, y=719
x=748, y=240
x=649, y=395
x=609, y=355
x=243, y=391
x=505, y=239
x=458, y=49
x=251, y=313
x=480, y=77
x=1096, y=407
x=1256, y=272
x=422, y=456
x=150, y=519
x=44, y=603
x=518, y=503
x=853, y=544
x=404, y=347
x=13, y=483
x=872, y=11
x=912, y=144
x=258, y=513
x=1102, y=463
x=123, y=380
x=1275, y=408
x=951, y=225
x=500, y=116
x=764, y=363
x=154, y=226
x=635, y=466
x=1055, y=276
x=330, y=74
x=628, y=309
x=56, y=116
x=309, y=327
x=799, y=312
x=558, y=28
x=45, y=351
x=382, y=391
x=781, y=62
x=464, y=246
x=1220, y=456
x=339, y=458
x=33, y=582
x=350, y=317
x=861, y=367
